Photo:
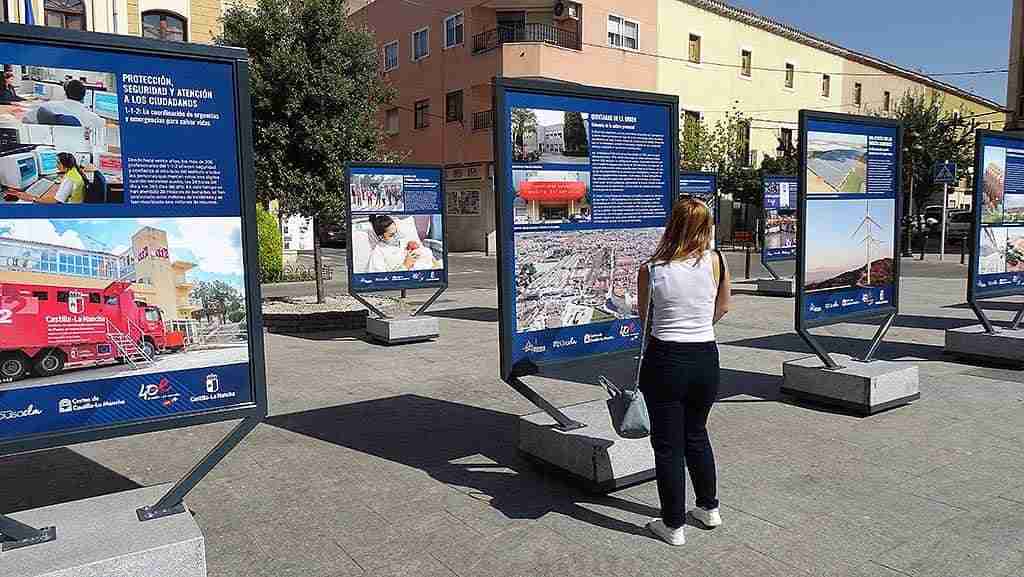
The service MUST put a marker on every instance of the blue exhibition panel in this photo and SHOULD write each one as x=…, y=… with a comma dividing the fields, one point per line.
x=997, y=262
x=848, y=266
x=780, y=218
x=585, y=188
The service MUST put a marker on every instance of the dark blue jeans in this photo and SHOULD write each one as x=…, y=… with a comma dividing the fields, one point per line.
x=680, y=384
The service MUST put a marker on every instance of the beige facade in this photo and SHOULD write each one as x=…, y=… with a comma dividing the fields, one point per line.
x=1015, y=83
x=188, y=20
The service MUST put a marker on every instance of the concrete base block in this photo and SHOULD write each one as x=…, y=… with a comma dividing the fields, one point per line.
x=864, y=388
x=103, y=537
x=407, y=330
x=776, y=287
x=594, y=456
x=1005, y=346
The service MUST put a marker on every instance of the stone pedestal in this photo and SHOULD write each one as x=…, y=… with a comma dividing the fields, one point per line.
x=594, y=456
x=1004, y=346
x=103, y=537
x=399, y=331
x=863, y=388
x=776, y=287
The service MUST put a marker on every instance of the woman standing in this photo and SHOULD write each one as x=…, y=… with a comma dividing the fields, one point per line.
x=680, y=373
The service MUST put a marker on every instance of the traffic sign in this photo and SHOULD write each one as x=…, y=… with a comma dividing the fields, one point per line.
x=944, y=173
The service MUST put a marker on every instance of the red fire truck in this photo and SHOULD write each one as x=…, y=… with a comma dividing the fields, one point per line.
x=46, y=329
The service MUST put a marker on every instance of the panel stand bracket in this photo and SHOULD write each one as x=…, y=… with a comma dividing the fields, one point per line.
x=771, y=270
x=877, y=340
x=564, y=422
x=15, y=534
x=429, y=302
x=830, y=363
x=368, y=305
x=986, y=323
x=173, y=503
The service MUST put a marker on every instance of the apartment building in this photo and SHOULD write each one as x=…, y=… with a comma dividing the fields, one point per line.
x=441, y=56
x=179, y=20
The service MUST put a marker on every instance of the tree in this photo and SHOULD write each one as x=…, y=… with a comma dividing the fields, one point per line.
x=728, y=149
x=218, y=296
x=575, y=135
x=524, y=121
x=270, y=246
x=694, y=145
x=932, y=133
x=316, y=89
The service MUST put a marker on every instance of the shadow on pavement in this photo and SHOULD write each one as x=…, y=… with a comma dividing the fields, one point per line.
x=45, y=478
x=341, y=336
x=471, y=449
x=990, y=306
x=854, y=347
x=480, y=314
x=922, y=322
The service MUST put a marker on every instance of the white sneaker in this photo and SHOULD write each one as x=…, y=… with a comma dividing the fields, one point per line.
x=709, y=517
x=670, y=536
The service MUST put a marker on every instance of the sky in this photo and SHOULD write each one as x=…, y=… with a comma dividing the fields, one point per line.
x=926, y=35
x=212, y=244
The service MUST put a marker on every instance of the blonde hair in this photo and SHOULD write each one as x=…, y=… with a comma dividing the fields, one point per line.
x=688, y=232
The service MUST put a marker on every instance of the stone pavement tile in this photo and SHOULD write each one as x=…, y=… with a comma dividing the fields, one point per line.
x=727, y=560
x=511, y=552
x=1014, y=493
x=419, y=566
x=1007, y=424
x=928, y=451
x=488, y=518
x=591, y=563
x=864, y=569
x=900, y=425
x=231, y=551
x=950, y=552
x=379, y=545
x=971, y=481
x=294, y=546
x=972, y=393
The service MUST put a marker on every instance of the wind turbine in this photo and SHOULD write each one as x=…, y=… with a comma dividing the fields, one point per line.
x=868, y=240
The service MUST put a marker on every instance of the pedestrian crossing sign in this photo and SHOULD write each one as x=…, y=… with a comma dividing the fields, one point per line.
x=944, y=173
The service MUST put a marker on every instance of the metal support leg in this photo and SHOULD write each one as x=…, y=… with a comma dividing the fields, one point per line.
x=877, y=340
x=16, y=534
x=367, y=304
x=564, y=422
x=1015, y=325
x=173, y=502
x=429, y=302
x=772, y=272
x=985, y=322
x=826, y=358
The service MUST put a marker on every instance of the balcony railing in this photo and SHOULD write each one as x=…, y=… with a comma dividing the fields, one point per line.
x=483, y=120
x=544, y=33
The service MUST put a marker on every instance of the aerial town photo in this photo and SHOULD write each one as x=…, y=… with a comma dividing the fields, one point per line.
x=578, y=277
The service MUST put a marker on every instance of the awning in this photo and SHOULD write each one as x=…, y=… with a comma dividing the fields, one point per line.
x=552, y=191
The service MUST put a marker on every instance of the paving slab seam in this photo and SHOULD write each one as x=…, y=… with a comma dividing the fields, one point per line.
x=891, y=568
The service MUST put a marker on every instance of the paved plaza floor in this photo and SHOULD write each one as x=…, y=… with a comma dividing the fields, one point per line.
x=402, y=461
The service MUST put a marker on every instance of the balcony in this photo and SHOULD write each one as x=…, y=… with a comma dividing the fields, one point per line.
x=539, y=33
x=483, y=120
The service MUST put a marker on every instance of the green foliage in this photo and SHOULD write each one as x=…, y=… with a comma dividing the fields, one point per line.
x=316, y=89
x=524, y=120
x=236, y=316
x=271, y=246
x=694, y=147
x=575, y=135
x=932, y=133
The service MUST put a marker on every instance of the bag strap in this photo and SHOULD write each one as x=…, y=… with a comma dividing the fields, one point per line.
x=721, y=267
x=647, y=323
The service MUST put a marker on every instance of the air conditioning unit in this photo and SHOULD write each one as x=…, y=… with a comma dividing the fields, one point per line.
x=566, y=11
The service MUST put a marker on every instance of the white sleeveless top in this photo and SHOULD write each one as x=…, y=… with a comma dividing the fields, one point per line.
x=684, y=300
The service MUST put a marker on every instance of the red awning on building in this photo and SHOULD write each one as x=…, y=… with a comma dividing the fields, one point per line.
x=552, y=191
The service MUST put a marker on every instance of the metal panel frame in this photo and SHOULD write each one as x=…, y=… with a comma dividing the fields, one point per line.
x=238, y=59
x=441, y=286
x=715, y=193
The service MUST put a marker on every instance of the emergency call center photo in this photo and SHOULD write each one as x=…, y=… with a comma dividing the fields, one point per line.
x=60, y=138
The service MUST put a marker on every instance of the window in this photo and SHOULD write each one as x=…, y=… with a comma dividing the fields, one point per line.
x=857, y=93
x=391, y=56
x=886, y=101
x=790, y=75
x=745, y=60
x=421, y=43
x=152, y=315
x=691, y=120
x=744, y=146
x=785, y=139
x=65, y=13
x=62, y=296
x=826, y=85
x=453, y=106
x=110, y=300
x=694, y=49
x=391, y=121
x=454, y=30
x=623, y=33
x=94, y=298
x=41, y=295
x=422, y=114
x=163, y=26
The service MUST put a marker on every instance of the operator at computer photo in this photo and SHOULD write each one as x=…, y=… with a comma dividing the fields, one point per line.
x=8, y=94
x=72, y=106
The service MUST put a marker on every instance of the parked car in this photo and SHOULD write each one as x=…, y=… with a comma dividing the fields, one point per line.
x=960, y=223
x=332, y=235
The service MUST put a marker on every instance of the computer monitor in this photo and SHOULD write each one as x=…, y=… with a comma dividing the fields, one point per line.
x=105, y=104
x=18, y=170
x=39, y=90
x=46, y=161
x=88, y=100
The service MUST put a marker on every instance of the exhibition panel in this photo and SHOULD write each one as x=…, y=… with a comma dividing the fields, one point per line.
x=396, y=224
x=129, y=299
x=850, y=207
x=997, y=263
x=586, y=179
x=780, y=218
x=702, y=185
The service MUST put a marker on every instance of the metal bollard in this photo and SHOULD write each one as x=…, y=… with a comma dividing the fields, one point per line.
x=924, y=244
x=963, y=248
x=747, y=274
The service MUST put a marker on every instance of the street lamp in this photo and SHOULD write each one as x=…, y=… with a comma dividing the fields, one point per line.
x=911, y=146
